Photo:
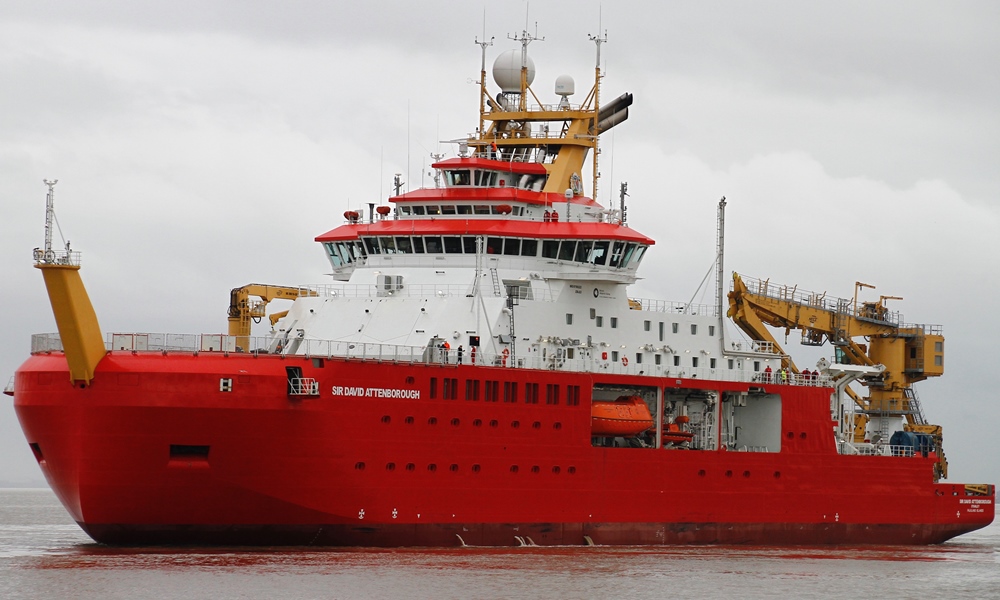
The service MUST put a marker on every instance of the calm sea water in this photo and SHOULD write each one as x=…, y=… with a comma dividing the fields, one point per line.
x=43, y=554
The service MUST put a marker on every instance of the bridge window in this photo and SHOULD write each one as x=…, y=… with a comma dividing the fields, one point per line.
x=464, y=209
x=583, y=251
x=388, y=245
x=403, y=245
x=481, y=209
x=433, y=210
x=469, y=244
x=567, y=250
x=494, y=245
x=529, y=247
x=453, y=245
x=459, y=177
x=550, y=249
x=616, y=254
x=512, y=247
x=418, y=245
x=448, y=209
x=371, y=244
x=599, y=255
x=433, y=244
x=331, y=251
x=418, y=210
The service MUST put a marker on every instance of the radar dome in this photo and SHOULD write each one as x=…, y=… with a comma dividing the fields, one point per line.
x=507, y=71
x=565, y=86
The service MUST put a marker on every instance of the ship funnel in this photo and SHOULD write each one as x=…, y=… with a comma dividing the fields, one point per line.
x=76, y=320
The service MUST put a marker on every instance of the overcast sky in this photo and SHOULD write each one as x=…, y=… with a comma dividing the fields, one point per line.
x=200, y=146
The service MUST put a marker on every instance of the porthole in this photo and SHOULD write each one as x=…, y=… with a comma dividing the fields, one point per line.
x=477, y=423
x=513, y=468
x=777, y=474
x=455, y=422
x=571, y=470
x=410, y=466
x=390, y=466
x=386, y=419
x=701, y=473
x=746, y=473
x=453, y=468
x=535, y=469
x=790, y=435
x=515, y=424
x=475, y=468
x=432, y=467
x=359, y=466
x=536, y=425
x=557, y=425
x=802, y=435
x=729, y=473
x=408, y=420
x=494, y=423
x=432, y=421
x=556, y=470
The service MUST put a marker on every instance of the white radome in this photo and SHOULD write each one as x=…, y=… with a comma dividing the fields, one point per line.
x=507, y=71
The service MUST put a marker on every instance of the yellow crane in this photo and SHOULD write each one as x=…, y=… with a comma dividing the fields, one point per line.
x=248, y=304
x=909, y=352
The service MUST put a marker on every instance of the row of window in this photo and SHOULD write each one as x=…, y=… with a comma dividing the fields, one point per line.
x=458, y=209
x=614, y=254
x=476, y=468
x=456, y=422
x=613, y=321
x=493, y=392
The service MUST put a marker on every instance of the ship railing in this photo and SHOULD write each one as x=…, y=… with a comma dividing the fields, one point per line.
x=786, y=293
x=56, y=257
x=314, y=348
x=303, y=386
x=679, y=308
x=866, y=449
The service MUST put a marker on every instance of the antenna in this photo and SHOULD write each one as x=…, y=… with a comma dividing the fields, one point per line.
x=623, y=192
x=50, y=213
x=720, y=252
x=482, y=78
x=598, y=40
x=525, y=39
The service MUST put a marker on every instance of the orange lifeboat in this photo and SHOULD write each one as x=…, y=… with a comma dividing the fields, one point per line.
x=626, y=416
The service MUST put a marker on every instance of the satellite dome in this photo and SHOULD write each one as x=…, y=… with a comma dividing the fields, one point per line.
x=507, y=71
x=565, y=86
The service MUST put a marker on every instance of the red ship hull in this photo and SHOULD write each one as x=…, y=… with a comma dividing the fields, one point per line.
x=154, y=451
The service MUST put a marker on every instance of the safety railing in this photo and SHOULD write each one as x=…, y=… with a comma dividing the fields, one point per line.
x=303, y=386
x=551, y=359
x=879, y=450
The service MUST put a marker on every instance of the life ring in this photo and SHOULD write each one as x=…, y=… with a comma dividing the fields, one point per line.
x=624, y=361
x=506, y=353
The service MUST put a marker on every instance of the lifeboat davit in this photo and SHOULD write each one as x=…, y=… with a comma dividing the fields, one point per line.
x=626, y=416
x=672, y=433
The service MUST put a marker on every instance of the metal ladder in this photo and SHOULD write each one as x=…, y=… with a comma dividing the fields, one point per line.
x=915, y=408
x=496, y=283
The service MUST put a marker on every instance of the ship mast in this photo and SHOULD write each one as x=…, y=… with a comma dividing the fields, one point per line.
x=720, y=253
x=50, y=211
x=598, y=40
x=482, y=81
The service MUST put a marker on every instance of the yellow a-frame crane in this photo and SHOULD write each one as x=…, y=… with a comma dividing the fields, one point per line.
x=909, y=352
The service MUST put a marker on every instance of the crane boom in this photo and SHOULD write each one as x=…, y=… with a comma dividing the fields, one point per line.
x=244, y=310
x=910, y=353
